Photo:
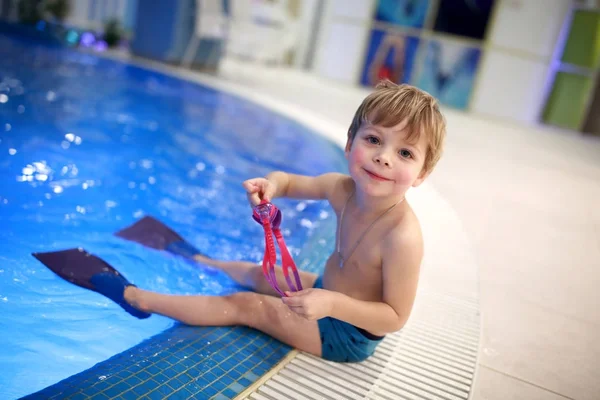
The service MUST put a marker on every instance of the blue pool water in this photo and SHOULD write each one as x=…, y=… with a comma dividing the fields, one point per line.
x=88, y=146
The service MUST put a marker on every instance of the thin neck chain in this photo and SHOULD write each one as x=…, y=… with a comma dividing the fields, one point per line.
x=339, y=239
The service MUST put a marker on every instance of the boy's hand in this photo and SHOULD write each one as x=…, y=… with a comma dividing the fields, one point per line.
x=311, y=303
x=259, y=189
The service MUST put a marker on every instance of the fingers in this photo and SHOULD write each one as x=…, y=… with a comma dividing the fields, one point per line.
x=259, y=189
x=253, y=191
x=301, y=311
x=293, y=301
x=296, y=298
x=293, y=294
x=254, y=198
x=269, y=191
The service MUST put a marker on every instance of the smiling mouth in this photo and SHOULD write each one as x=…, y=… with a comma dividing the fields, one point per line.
x=376, y=177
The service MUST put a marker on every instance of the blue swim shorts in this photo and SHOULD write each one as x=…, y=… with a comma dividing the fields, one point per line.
x=343, y=342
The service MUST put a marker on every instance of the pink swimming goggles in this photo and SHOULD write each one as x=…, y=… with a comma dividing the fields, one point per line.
x=269, y=217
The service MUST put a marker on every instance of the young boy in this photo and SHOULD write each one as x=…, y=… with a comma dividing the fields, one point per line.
x=369, y=283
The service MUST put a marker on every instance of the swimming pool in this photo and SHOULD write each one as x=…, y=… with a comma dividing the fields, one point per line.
x=88, y=146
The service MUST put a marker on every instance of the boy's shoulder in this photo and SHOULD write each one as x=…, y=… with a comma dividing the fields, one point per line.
x=340, y=187
x=405, y=236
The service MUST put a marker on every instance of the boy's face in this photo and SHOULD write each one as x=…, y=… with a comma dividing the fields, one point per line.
x=382, y=162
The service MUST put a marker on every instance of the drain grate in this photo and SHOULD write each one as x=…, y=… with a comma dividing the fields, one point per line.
x=433, y=357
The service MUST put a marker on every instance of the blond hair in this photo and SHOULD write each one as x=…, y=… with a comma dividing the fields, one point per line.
x=391, y=104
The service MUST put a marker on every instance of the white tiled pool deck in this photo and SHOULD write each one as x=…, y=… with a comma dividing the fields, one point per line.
x=512, y=225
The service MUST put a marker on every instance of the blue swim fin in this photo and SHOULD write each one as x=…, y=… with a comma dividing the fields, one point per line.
x=150, y=232
x=90, y=272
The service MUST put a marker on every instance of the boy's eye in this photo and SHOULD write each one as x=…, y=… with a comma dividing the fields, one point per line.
x=405, y=153
x=372, y=140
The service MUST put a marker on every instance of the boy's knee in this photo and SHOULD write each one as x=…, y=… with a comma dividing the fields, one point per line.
x=252, y=308
x=244, y=303
x=257, y=276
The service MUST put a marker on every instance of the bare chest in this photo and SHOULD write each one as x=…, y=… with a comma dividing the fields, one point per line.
x=354, y=267
x=358, y=241
x=360, y=277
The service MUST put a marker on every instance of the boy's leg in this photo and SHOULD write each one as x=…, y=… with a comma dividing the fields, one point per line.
x=251, y=276
x=265, y=313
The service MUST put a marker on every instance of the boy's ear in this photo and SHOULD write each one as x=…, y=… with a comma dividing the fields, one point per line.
x=348, y=144
x=422, y=176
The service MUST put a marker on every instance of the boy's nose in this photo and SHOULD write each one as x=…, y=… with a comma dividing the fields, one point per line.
x=382, y=160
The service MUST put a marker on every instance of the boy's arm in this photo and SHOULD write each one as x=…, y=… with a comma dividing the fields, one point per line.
x=401, y=265
x=304, y=187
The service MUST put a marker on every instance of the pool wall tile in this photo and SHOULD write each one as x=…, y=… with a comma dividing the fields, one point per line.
x=182, y=362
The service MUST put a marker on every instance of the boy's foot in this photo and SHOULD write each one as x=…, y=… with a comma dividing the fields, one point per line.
x=90, y=272
x=132, y=296
x=114, y=287
x=203, y=259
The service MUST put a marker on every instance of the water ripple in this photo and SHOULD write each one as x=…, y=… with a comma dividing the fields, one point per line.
x=87, y=146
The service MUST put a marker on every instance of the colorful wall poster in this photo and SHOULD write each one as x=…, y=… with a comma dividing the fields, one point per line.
x=467, y=18
x=390, y=56
x=409, y=13
x=448, y=72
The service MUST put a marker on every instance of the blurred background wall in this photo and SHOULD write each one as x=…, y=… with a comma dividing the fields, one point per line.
x=526, y=61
